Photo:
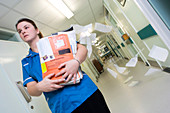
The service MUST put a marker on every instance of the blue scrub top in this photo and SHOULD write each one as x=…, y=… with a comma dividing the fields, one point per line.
x=63, y=100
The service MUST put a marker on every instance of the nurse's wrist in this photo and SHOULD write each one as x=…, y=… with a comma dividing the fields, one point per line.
x=77, y=61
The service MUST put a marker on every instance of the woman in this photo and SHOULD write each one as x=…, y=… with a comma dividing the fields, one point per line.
x=83, y=97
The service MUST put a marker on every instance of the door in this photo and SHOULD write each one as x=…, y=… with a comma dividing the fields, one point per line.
x=12, y=99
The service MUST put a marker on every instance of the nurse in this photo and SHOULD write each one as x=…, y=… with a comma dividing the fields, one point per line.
x=83, y=97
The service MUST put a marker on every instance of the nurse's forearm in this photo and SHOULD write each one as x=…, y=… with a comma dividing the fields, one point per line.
x=33, y=89
x=81, y=53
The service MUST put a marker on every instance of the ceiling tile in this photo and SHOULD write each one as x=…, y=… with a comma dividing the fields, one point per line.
x=87, y=21
x=47, y=31
x=31, y=8
x=9, y=21
x=3, y=10
x=77, y=5
x=9, y=3
x=96, y=6
x=99, y=13
x=67, y=24
x=56, y=22
x=44, y=29
x=101, y=20
x=40, y=25
x=48, y=18
x=47, y=15
x=85, y=16
x=98, y=10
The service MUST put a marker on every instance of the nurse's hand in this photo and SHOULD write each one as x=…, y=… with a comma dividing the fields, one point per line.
x=69, y=70
x=48, y=85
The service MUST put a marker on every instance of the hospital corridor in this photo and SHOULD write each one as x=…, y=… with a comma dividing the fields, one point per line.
x=128, y=43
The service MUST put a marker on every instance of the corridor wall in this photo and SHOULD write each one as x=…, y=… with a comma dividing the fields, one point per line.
x=132, y=20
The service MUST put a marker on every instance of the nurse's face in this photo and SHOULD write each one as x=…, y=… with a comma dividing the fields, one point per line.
x=27, y=31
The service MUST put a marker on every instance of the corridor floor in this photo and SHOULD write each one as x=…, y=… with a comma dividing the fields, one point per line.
x=141, y=94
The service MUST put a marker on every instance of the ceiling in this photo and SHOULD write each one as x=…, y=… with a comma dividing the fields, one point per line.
x=48, y=18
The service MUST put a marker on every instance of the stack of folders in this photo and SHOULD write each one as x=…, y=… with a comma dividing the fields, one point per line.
x=55, y=50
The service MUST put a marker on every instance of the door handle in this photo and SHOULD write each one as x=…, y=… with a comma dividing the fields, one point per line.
x=23, y=91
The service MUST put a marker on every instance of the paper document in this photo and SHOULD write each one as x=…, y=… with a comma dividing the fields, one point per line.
x=89, y=48
x=83, y=40
x=53, y=51
x=72, y=40
x=133, y=83
x=120, y=69
x=102, y=28
x=113, y=73
x=152, y=71
x=132, y=62
x=128, y=79
x=159, y=53
x=126, y=72
x=79, y=29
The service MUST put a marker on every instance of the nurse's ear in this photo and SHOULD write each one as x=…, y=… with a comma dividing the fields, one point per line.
x=38, y=32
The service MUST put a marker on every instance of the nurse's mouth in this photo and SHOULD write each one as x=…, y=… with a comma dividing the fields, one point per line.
x=25, y=36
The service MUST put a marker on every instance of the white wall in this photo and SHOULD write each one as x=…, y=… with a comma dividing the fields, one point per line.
x=139, y=21
x=133, y=20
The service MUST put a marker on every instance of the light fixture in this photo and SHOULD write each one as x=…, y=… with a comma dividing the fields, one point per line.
x=61, y=6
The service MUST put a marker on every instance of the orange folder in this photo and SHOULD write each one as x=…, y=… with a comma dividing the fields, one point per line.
x=62, y=52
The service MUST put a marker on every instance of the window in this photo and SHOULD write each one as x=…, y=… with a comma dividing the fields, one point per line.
x=162, y=8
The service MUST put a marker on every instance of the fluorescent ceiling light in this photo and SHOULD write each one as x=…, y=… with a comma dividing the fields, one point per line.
x=60, y=5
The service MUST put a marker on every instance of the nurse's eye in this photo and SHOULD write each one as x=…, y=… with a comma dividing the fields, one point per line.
x=26, y=27
x=19, y=31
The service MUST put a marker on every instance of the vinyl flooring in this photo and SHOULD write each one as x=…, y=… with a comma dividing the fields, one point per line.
x=134, y=91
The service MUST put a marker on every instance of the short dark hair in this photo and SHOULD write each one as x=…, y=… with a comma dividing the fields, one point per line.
x=31, y=22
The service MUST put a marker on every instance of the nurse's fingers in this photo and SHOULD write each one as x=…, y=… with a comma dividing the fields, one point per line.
x=55, y=87
x=57, y=81
x=61, y=65
x=50, y=76
x=74, y=78
x=70, y=76
x=60, y=73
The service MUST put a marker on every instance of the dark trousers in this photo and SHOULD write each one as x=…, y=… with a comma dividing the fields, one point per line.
x=94, y=104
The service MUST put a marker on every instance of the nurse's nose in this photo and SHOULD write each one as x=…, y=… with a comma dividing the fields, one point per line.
x=23, y=31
